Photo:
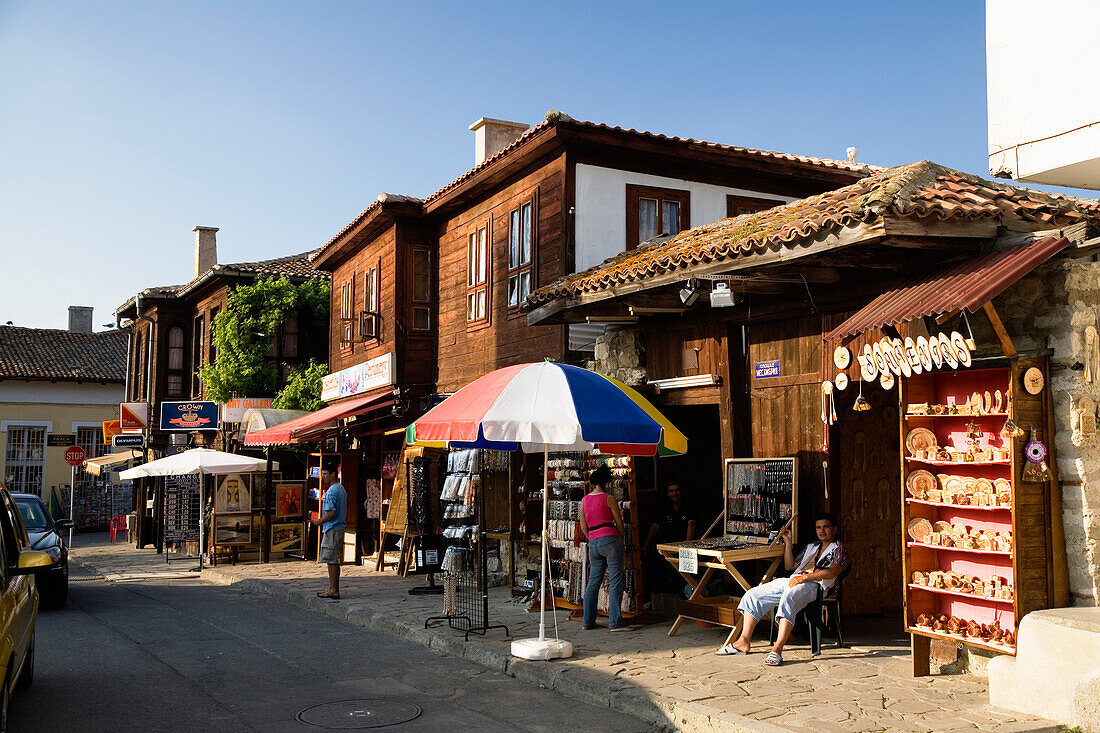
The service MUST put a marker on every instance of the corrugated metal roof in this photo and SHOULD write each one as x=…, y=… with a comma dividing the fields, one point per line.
x=968, y=285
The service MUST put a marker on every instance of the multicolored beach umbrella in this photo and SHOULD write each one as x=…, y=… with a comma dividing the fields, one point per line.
x=548, y=406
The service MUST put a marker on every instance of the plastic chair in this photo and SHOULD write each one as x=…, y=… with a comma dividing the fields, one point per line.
x=817, y=613
x=118, y=524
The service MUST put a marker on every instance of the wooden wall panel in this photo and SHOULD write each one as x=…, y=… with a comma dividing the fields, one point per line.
x=382, y=250
x=466, y=352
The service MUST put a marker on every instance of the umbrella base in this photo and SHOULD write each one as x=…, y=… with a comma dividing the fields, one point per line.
x=541, y=649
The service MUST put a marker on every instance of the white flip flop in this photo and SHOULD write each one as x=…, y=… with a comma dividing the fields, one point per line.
x=729, y=650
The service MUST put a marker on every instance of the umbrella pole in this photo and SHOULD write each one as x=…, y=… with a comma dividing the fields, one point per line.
x=542, y=576
x=202, y=511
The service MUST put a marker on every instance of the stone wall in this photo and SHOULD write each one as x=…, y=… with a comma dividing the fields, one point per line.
x=619, y=354
x=1050, y=309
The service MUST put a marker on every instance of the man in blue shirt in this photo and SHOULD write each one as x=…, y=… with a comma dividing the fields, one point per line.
x=334, y=508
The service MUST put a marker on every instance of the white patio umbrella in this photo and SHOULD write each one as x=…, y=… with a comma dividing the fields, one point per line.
x=203, y=461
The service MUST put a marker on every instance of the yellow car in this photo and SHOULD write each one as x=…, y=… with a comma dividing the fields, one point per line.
x=18, y=603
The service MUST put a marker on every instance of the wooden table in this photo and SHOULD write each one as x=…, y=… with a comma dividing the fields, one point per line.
x=721, y=610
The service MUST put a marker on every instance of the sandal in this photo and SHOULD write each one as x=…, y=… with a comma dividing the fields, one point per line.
x=321, y=594
x=728, y=650
x=774, y=659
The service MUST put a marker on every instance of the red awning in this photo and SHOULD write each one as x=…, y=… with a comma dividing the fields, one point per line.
x=968, y=285
x=316, y=424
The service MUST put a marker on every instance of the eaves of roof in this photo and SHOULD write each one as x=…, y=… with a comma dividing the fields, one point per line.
x=380, y=212
x=922, y=190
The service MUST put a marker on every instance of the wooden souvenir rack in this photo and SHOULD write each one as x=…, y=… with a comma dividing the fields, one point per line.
x=982, y=583
x=760, y=496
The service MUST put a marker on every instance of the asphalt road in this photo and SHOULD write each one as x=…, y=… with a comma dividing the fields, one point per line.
x=177, y=655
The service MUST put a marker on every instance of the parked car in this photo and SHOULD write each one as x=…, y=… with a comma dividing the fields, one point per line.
x=45, y=534
x=18, y=603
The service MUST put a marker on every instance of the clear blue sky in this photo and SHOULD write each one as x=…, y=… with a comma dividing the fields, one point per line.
x=125, y=124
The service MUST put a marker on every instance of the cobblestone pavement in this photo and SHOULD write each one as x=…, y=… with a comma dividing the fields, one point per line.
x=645, y=673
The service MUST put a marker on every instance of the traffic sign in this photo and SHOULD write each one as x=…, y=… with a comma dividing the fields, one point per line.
x=75, y=456
x=133, y=415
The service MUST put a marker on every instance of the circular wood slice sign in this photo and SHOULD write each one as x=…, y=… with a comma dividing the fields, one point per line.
x=1033, y=380
x=842, y=357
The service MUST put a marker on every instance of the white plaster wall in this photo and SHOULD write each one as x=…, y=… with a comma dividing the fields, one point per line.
x=60, y=393
x=600, y=218
x=1042, y=60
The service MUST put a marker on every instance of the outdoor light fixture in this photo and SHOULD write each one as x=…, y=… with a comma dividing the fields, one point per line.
x=691, y=292
x=721, y=296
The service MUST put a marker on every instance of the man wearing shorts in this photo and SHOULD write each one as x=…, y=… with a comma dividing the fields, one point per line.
x=334, y=509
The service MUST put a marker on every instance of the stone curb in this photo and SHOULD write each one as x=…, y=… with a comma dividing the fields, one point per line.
x=576, y=682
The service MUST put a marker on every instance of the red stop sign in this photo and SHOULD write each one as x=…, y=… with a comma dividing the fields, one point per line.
x=75, y=455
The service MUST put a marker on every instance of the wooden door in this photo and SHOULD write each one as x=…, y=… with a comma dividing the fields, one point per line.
x=786, y=409
x=865, y=450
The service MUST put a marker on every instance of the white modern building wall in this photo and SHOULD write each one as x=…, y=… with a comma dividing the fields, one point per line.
x=1042, y=63
x=600, y=217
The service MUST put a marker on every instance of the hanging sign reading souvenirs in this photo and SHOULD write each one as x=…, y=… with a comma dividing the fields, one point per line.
x=193, y=415
x=914, y=356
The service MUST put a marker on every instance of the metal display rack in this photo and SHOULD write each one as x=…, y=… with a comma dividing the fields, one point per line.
x=466, y=575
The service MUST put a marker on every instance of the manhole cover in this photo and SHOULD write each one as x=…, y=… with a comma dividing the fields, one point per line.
x=358, y=714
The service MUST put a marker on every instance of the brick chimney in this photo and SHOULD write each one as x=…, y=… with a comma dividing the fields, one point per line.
x=206, y=249
x=491, y=136
x=80, y=318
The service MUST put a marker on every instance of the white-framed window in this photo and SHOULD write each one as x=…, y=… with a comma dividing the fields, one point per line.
x=347, y=307
x=477, y=275
x=521, y=238
x=25, y=458
x=370, y=290
x=90, y=438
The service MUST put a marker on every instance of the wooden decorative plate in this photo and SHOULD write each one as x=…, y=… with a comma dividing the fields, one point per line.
x=919, y=483
x=920, y=530
x=954, y=485
x=841, y=381
x=984, y=486
x=842, y=357
x=1033, y=380
x=886, y=380
x=942, y=526
x=920, y=439
x=1002, y=484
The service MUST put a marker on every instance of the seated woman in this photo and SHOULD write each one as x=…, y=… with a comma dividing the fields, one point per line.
x=816, y=568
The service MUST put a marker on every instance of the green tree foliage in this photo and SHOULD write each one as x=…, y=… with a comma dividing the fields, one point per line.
x=303, y=388
x=245, y=331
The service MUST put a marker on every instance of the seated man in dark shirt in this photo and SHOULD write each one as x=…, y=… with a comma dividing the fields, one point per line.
x=674, y=523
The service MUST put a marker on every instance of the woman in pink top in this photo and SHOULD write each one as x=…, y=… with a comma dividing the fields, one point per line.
x=602, y=525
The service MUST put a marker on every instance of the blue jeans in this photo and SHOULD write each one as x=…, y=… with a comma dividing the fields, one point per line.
x=604, y=553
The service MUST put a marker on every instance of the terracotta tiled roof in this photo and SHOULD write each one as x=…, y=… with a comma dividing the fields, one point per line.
x=383, y=198
x=44, y=353
x=921, y=190
x=294, y=266
x=580, y=124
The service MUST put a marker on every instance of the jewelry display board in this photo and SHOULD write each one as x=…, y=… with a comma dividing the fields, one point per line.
x=977, y=553
x=760, y=498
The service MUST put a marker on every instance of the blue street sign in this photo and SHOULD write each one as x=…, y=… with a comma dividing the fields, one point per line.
x=765, y=369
